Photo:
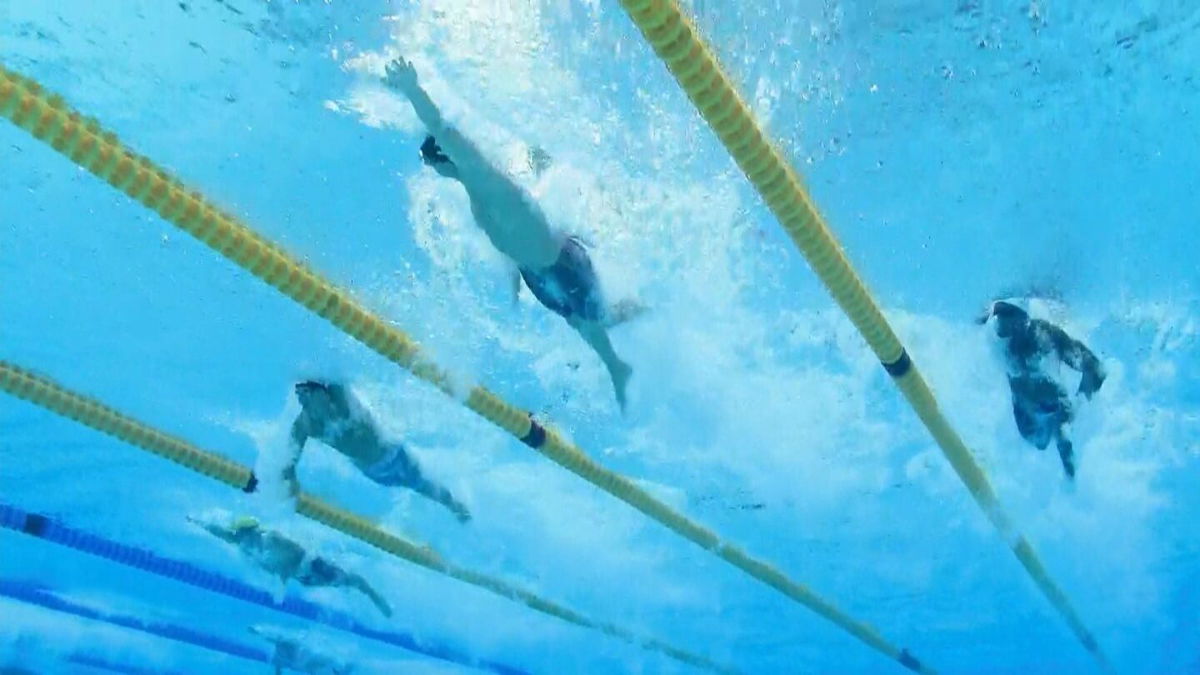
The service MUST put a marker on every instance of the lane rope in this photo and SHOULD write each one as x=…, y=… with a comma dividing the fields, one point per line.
x=59, y=533
x=691, y=61
x=87, y=411
x=48, y=118
x=41, y=596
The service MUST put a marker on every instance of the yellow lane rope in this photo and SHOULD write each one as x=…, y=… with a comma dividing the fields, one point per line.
x=679, y=44
x=87, y=411
x=50, y=120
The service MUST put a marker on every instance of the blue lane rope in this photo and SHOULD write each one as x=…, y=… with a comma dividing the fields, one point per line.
x=41, y=596
x=56, y=532
x=97, y=663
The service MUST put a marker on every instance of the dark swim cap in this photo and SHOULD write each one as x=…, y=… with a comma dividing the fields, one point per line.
x=1007, y=310
x=430, y=151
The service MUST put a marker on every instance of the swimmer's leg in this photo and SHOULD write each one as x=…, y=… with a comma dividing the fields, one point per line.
x=419, y=484
x=403, y=471
x=359, y=584
x=1066, y=451
x=1027, y=426
x=321, y=572
x=594, y=334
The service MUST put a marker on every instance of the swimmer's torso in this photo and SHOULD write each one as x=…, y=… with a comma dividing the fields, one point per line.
x=514, y=224
x=347, y=432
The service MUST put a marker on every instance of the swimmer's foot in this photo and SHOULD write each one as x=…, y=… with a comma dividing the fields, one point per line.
x=620, y=373
x=461, y=512
x=1069, y=468
x=1066, y=452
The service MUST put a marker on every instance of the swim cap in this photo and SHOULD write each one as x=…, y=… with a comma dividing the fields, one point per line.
x=1006, y=309
x=244, y=523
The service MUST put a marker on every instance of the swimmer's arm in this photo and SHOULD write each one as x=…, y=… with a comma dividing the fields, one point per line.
x=296, y=440
x=402, y=77
x=457, y=147
x=222, y=533
x=1076, y=355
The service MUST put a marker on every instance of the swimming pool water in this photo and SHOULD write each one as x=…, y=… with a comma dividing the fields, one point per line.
x=961, y=152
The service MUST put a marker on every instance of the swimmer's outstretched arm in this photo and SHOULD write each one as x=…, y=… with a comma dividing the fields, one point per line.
x=296, y=441
x=402, y=78
x=222, y=533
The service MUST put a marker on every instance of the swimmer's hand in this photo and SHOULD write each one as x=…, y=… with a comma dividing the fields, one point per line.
x=289, y=479
x=1092, y=380
x=401, y=76
x=203, y=523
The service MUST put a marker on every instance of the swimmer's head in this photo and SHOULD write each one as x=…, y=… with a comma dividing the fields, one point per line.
x=315, y=396
x=322, y=400
x=433, y=157
x=1009, y=317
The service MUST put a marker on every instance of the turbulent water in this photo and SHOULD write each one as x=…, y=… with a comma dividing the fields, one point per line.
x=961, y=151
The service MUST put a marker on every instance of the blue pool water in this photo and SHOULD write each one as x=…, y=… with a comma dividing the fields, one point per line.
x=961, y=151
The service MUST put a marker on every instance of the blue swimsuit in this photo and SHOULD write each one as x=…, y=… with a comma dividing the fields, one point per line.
x=569, y=287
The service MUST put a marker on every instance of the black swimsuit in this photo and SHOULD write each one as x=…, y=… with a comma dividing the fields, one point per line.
x=569, y=287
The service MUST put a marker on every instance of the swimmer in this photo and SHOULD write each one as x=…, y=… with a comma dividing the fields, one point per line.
x=286, y=559
x=292, y=654
x=1041, y=406
x=330, y=414
x=556, y=267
